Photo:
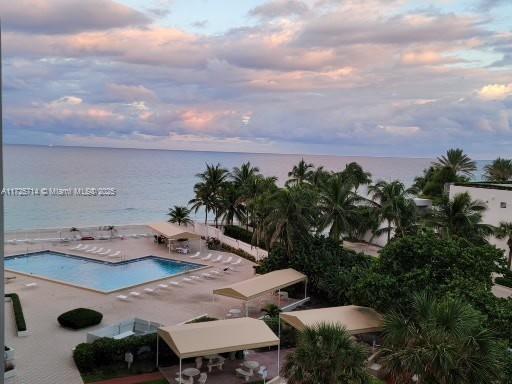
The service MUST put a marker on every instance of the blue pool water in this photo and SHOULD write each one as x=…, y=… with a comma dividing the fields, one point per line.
x=101, y=276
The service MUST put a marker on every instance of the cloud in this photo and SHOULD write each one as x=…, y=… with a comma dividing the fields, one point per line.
x=495, y=91
x=69, y=100
x=67, y=16
x=123, y=92
x=279, y=8
x=400, y=131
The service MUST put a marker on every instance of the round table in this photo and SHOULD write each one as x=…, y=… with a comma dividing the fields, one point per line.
x=251, y=365
x=191, y=372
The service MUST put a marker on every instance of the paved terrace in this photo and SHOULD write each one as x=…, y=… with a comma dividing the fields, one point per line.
x=44, y=357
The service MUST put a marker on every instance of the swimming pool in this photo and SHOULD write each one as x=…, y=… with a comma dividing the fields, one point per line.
x=94, y=274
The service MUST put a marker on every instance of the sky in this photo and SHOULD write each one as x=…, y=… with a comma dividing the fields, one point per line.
x=343, y=77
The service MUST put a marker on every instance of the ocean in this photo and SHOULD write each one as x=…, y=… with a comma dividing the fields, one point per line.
x=147, y=182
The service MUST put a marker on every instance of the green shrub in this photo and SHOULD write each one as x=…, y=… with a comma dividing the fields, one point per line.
x=202, y=319
x=505, y=281
x=80, y=318
x=83, y=355
x=241, y=234
x=238, y=252
x=19, y=317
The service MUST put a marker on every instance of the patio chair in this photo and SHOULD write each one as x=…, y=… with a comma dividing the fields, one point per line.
x=263, y=372
x=218, y=362
x=202, y=378
x=228, y=260
x=207, y=257
x=122, y=297
x=245, y=374
x=199, y=362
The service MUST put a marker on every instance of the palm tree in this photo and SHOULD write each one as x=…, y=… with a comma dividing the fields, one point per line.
x=271, y=310
x=245, y=174
x=180, y=215
x=208, y=189
x=504, y=231
x=458, y=161
x=440, y=341
x=338, y=206
x=318, y=177
x=327, y=354
x=230, y=205
x=395, y=206
x=499, y=170
x=290, y=215
x=300, y=173
x=357, y=175
x=461, y=217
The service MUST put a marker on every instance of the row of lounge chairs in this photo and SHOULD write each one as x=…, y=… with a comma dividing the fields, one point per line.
x=189, y=279
x=219, y=259
x=96, y=250
x=68, y=239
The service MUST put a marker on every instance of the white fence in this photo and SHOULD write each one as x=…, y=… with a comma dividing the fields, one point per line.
x=209, y=231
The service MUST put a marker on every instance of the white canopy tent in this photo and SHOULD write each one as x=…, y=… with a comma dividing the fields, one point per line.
x=219, y=336
x=174, y=232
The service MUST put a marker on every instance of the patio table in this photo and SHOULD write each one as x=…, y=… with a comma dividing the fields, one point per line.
x=190, y=372
x=251, y=365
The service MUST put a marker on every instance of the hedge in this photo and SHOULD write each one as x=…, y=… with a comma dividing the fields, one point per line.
x=105, y=352
x=80, y=318
x=19, y=317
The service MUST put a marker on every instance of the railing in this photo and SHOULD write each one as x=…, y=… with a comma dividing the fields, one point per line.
x=209, y=231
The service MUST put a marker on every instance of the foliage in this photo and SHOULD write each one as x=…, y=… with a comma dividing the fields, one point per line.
x=499, y=170
x=241, y=234
x=440, y=341
x=504, y=231
x=331, y=270
x=271, y=310
x=505, y=281
x=19, y=317
x=80, y=318
x=426, y=262
x=300, y=174
x=460, y=217
x=202, y=319
x=107, y=352
x=326, y=354
x=457, y=161
x=179, y=215
x=238, y=252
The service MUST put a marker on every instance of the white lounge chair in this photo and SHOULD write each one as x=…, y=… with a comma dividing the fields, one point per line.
x=238, y=262
x=187, y=280
x=93, y=249
x=122, y=297
x=99, y=250
x=79, y=246
x=106, y=252
x=196, y=255
x=207, y=275
x=228, y=260
x=150, y=290
x=218, y=259
x=195, y=277
x=216, y=272
x=174, y=283
x=207, y=257
x=115, y=254
x=134, y=294
x=164, y=286
x=31, y=285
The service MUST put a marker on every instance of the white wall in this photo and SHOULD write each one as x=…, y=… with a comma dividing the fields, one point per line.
x=494, y=213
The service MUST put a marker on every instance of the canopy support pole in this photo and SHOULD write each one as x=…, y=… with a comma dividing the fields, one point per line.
x=279, y=345
x=305, y=289
x=180, y=372
x=157, y=350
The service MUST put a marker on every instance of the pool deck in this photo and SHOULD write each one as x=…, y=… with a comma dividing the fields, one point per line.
x=44, y=356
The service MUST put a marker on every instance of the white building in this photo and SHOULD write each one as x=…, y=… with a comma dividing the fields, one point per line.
x=497, y=197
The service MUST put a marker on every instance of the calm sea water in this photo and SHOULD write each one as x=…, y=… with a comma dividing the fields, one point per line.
x=147, y=181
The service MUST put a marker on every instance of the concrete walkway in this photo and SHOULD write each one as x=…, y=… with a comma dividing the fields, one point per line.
x=137, y=379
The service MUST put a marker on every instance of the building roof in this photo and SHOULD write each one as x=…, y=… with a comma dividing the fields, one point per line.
x=355, y=319
x=220, y=336
x=174, y=232
x=261, y=285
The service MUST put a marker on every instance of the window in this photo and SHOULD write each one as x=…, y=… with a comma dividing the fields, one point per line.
x=503, y=204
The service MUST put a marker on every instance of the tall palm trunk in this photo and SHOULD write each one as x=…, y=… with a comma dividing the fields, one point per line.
x=509, y=243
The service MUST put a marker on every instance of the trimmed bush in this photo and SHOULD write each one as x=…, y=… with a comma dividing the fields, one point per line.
x=19, y=317
x=202, y=319
x=505, y=281
x=241, y=234
x=80, y=318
